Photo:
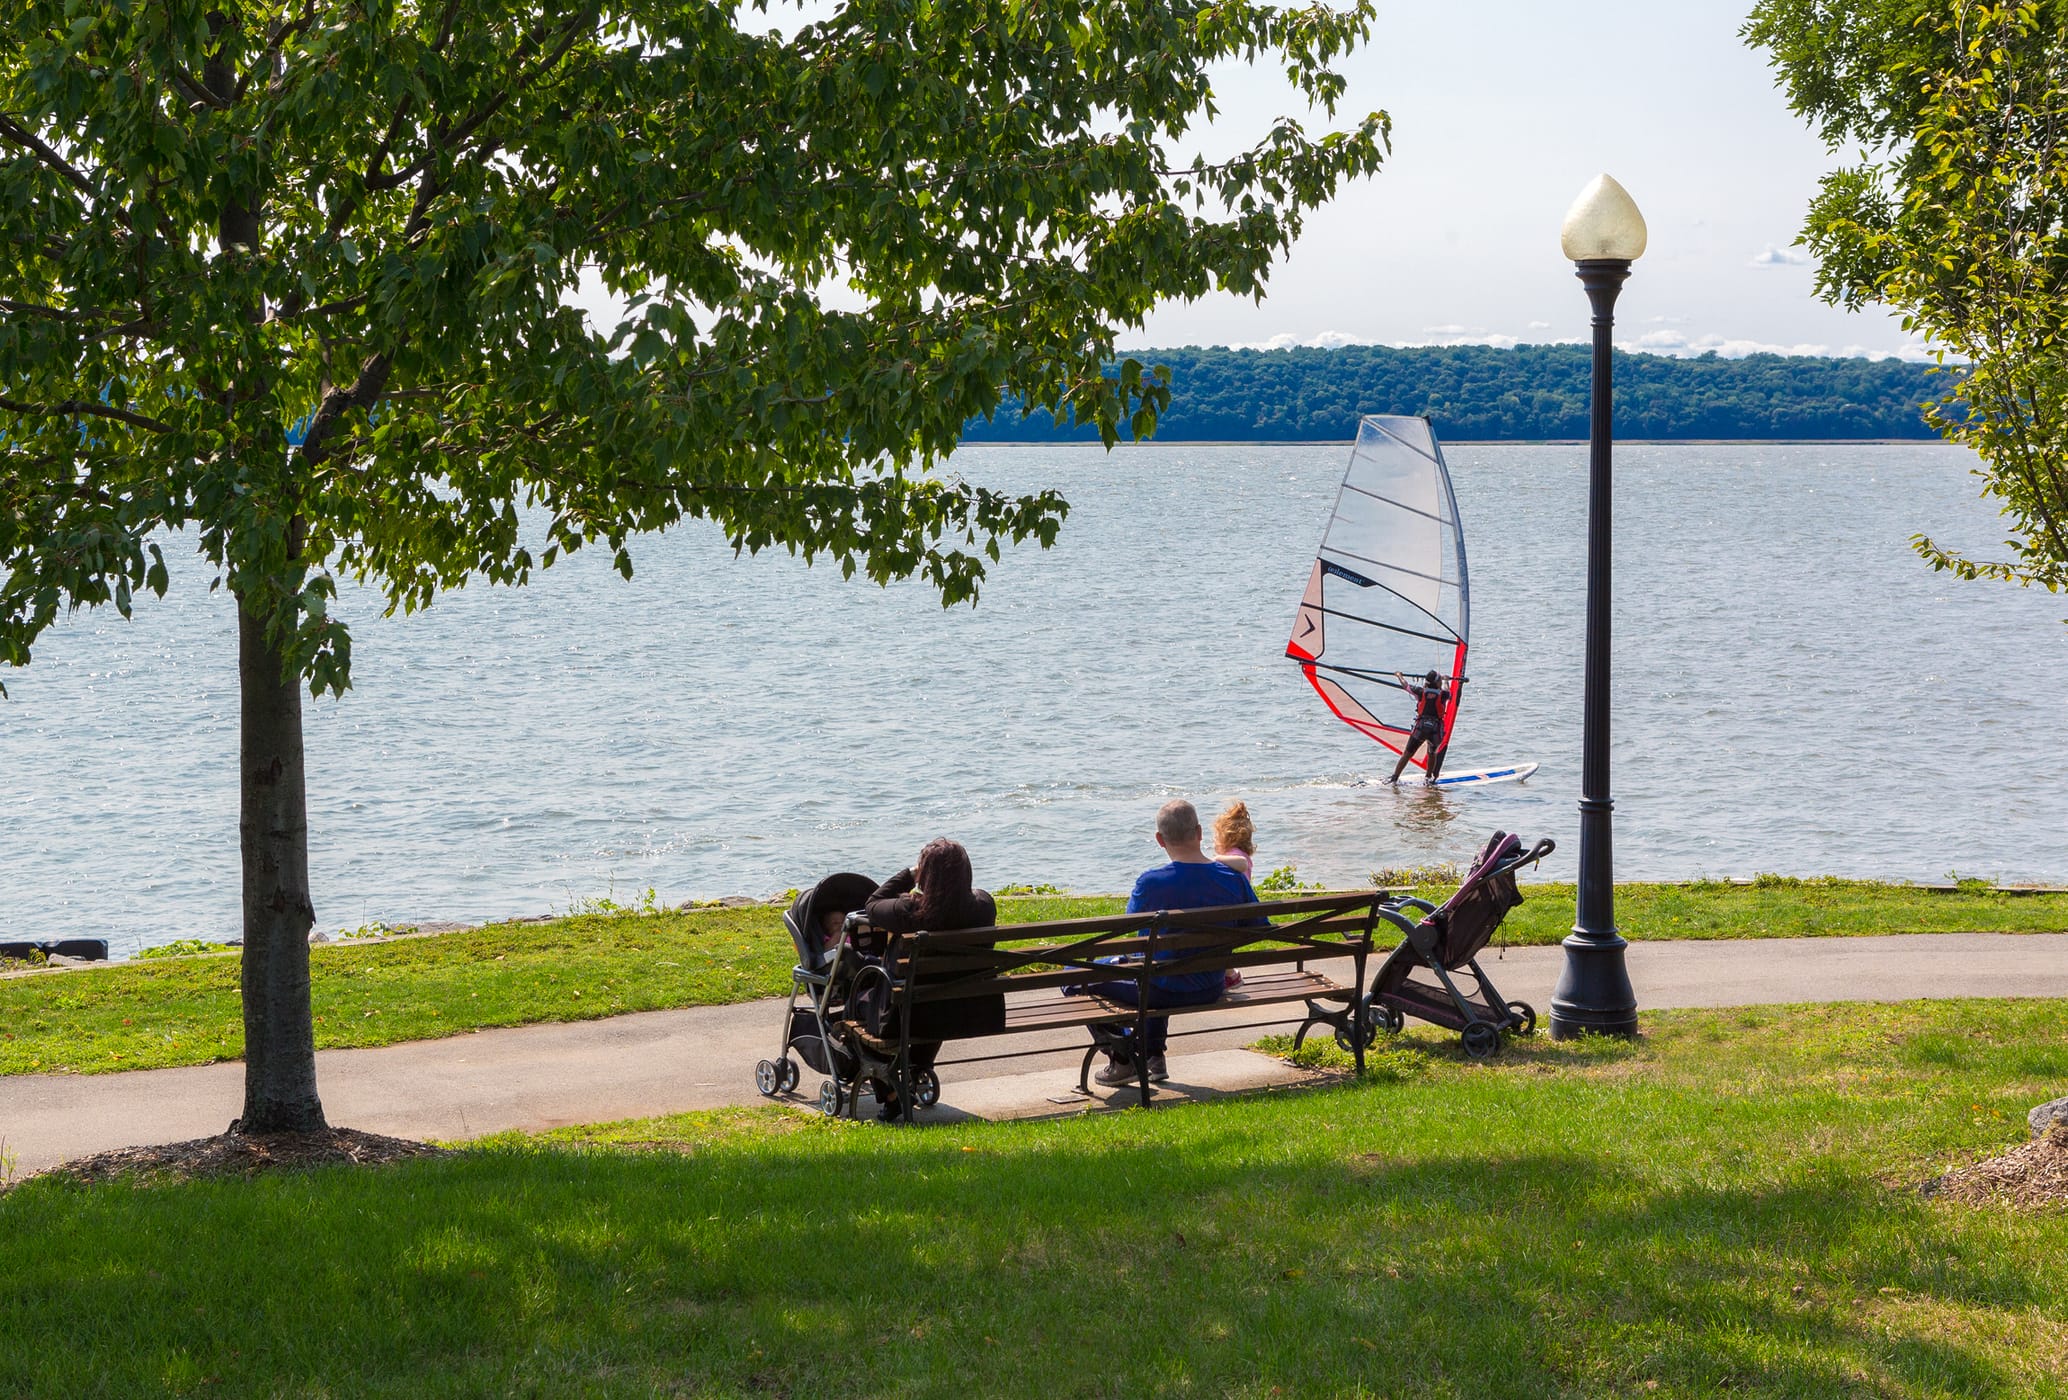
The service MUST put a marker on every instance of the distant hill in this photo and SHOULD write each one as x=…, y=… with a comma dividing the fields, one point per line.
x=1532, y=392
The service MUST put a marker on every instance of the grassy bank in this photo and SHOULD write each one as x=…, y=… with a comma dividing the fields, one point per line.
x=183, y=1011
x=1728, y=1206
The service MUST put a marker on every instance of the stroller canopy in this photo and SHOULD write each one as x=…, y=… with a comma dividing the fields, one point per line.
x=836, y=894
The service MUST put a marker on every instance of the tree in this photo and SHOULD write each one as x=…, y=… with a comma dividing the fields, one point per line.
x=366, y=220
x=1953, y=215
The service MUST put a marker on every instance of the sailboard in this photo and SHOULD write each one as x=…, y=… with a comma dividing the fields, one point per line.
x=1389, y=592
x=1451, y=781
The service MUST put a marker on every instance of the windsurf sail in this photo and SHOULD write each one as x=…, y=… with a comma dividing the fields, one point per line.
x=1388, y=590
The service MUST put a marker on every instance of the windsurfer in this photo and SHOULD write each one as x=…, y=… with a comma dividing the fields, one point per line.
x=1430, y=698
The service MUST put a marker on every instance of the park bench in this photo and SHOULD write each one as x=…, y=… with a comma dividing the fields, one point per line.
x=1032, y=963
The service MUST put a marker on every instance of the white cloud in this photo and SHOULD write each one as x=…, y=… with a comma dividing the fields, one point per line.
x=1679, y=343
x=1653, y=342
x=1286, y=340
x=1771, y=256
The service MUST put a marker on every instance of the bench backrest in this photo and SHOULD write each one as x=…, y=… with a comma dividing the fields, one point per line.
x=972, y=962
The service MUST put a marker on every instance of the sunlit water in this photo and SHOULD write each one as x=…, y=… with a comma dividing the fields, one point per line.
x=1794, y=692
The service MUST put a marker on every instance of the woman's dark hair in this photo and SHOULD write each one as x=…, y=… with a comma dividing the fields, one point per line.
x=1434, y=679
x=942, y=876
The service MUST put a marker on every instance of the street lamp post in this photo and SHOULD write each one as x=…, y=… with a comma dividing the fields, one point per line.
x=1603, y=235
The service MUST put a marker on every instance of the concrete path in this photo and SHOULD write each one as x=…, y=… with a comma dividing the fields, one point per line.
x=656, y=1062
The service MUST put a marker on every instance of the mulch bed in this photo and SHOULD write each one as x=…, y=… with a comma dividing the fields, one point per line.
x=237, y=1154
x=2031, y=1176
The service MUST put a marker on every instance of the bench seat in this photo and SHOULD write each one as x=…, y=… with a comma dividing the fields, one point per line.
x=1046, y=1011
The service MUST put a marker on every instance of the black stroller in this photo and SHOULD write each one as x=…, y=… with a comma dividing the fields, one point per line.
x=1447, y=941
x=822, y=982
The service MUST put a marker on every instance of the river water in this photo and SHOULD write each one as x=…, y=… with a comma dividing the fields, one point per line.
x=1794, y=692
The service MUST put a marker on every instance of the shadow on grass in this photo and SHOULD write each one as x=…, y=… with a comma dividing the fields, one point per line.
x=1315, y=1246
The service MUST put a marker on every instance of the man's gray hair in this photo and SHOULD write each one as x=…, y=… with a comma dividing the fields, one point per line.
x=1178, y=821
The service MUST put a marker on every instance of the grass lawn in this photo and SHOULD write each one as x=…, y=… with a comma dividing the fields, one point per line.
x=1728, y=1206
x=183, y=1011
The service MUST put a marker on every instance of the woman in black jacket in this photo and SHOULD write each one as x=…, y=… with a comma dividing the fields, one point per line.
x=935, y=896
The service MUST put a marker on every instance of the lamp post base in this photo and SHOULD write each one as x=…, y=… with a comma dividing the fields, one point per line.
x=1594, y=995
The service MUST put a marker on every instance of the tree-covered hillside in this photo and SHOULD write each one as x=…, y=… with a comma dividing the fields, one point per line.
x=1532, y=392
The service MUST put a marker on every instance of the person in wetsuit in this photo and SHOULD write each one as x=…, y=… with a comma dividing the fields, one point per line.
x=1430, y=697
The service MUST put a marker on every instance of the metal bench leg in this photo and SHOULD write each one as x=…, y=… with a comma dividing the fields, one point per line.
x=1084, y=1071
x=1360, y=1009
x=1142, y=1023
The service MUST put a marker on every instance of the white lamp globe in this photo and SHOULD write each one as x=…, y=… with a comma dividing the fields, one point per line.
x=1603, y=223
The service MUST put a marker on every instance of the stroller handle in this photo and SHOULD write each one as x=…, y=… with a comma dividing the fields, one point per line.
x=1533, y=855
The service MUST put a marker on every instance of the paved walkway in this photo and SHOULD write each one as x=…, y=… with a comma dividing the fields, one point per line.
x=655, y=1062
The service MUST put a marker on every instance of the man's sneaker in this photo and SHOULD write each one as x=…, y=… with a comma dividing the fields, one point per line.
x=1157, y=1071
x=1117, y=1072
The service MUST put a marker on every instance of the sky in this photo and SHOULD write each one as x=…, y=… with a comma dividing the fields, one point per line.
x=1502, y=111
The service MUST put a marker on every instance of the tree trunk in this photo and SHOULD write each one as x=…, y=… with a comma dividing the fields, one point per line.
x=273, y=823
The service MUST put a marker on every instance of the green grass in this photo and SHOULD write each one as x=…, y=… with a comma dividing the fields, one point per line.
x=1728, y=1206
x=184, y=1010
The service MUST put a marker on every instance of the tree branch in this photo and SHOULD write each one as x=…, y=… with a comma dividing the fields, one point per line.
x=365, y=391
x=329, y=308
x=194, y=90
x=135, y=326
x=29, y=141
x=282, y=32
x=451, y=139
x=73, y=408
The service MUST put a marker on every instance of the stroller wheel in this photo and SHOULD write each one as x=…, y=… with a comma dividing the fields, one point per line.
x=768, y=1079
x=1481, y=1040
x=1522, y=1017
x=926, y=1089
x=1390, y=1018
x=831, y=1100
x=790, y=1074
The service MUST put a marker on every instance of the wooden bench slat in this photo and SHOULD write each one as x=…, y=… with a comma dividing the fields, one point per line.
x=1057, y=1012
x=1006, y=962
x=1073, y=930
x=975, y=983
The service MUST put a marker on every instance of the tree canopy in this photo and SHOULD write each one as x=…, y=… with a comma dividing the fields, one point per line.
x=369, y=218
x=300, y=277
x=1952, y=213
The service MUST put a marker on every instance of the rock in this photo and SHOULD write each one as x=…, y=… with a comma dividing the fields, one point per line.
x=2049, y=1115
x=318, y=936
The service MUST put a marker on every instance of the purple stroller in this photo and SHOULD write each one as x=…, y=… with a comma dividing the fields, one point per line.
x=1446, y=942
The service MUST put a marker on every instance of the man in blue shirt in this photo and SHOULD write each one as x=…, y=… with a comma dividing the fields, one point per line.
x=1192, y=880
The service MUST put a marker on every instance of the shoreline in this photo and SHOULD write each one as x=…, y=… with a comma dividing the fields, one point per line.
x=410, y=929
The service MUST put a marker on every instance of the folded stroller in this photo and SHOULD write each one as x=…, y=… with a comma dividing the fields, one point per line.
x=820, y=986
x=1446, y=942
